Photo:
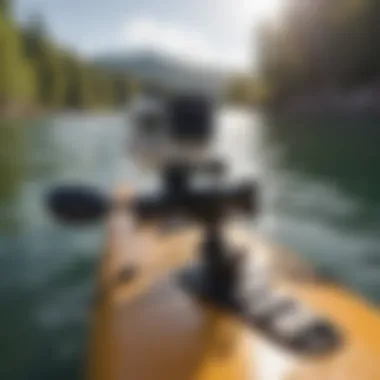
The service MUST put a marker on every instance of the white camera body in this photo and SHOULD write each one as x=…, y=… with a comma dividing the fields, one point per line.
x=158, y=138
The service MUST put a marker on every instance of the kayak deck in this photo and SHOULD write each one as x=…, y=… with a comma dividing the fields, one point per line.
x=147, y=327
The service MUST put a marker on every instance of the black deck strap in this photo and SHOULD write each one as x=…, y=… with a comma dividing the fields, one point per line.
x=284, y=320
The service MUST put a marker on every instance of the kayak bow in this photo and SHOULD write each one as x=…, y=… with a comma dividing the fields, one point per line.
x=147, y=326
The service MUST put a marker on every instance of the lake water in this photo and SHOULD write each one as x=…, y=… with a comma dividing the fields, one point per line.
x=321, y=181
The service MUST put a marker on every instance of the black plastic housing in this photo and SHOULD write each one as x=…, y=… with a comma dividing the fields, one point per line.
x=78, y=205
x=190, y=118
x=83, y=205
x=202, y=205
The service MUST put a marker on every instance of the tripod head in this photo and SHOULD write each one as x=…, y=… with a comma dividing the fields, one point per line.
x=177, y=198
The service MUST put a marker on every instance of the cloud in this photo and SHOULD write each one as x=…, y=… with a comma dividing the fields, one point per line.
x=170, y=39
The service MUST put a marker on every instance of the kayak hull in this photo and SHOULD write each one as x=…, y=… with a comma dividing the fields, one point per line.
x=146, y=326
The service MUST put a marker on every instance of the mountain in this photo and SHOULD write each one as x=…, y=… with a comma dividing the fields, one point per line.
x=165, y=71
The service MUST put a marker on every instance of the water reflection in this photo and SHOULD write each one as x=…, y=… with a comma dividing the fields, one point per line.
x=326, y=194
x=321, y=198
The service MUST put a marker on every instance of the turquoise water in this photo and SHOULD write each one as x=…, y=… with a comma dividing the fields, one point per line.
x=321, y=182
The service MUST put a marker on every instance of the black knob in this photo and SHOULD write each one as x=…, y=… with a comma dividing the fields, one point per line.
x=78, y=205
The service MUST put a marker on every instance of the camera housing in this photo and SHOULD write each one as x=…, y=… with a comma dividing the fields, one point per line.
x=178, y=128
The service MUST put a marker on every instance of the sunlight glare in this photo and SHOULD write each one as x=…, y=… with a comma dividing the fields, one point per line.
x=262, y=9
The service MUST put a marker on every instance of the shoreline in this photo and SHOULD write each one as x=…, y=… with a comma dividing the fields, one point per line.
x=39, y=114
x=364, y=99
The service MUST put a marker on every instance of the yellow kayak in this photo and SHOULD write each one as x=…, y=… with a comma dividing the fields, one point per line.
x=148, y=327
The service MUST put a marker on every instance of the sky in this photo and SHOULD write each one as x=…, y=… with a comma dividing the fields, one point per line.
x=210, y=32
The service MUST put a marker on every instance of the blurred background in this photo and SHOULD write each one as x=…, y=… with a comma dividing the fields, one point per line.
x=299, y=81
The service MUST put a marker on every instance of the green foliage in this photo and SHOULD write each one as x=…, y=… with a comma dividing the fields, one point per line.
x=320, y=44
x=123, y=88
x=36, y=72
x=78, y=91
x=16, y=76
x=4, y=7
